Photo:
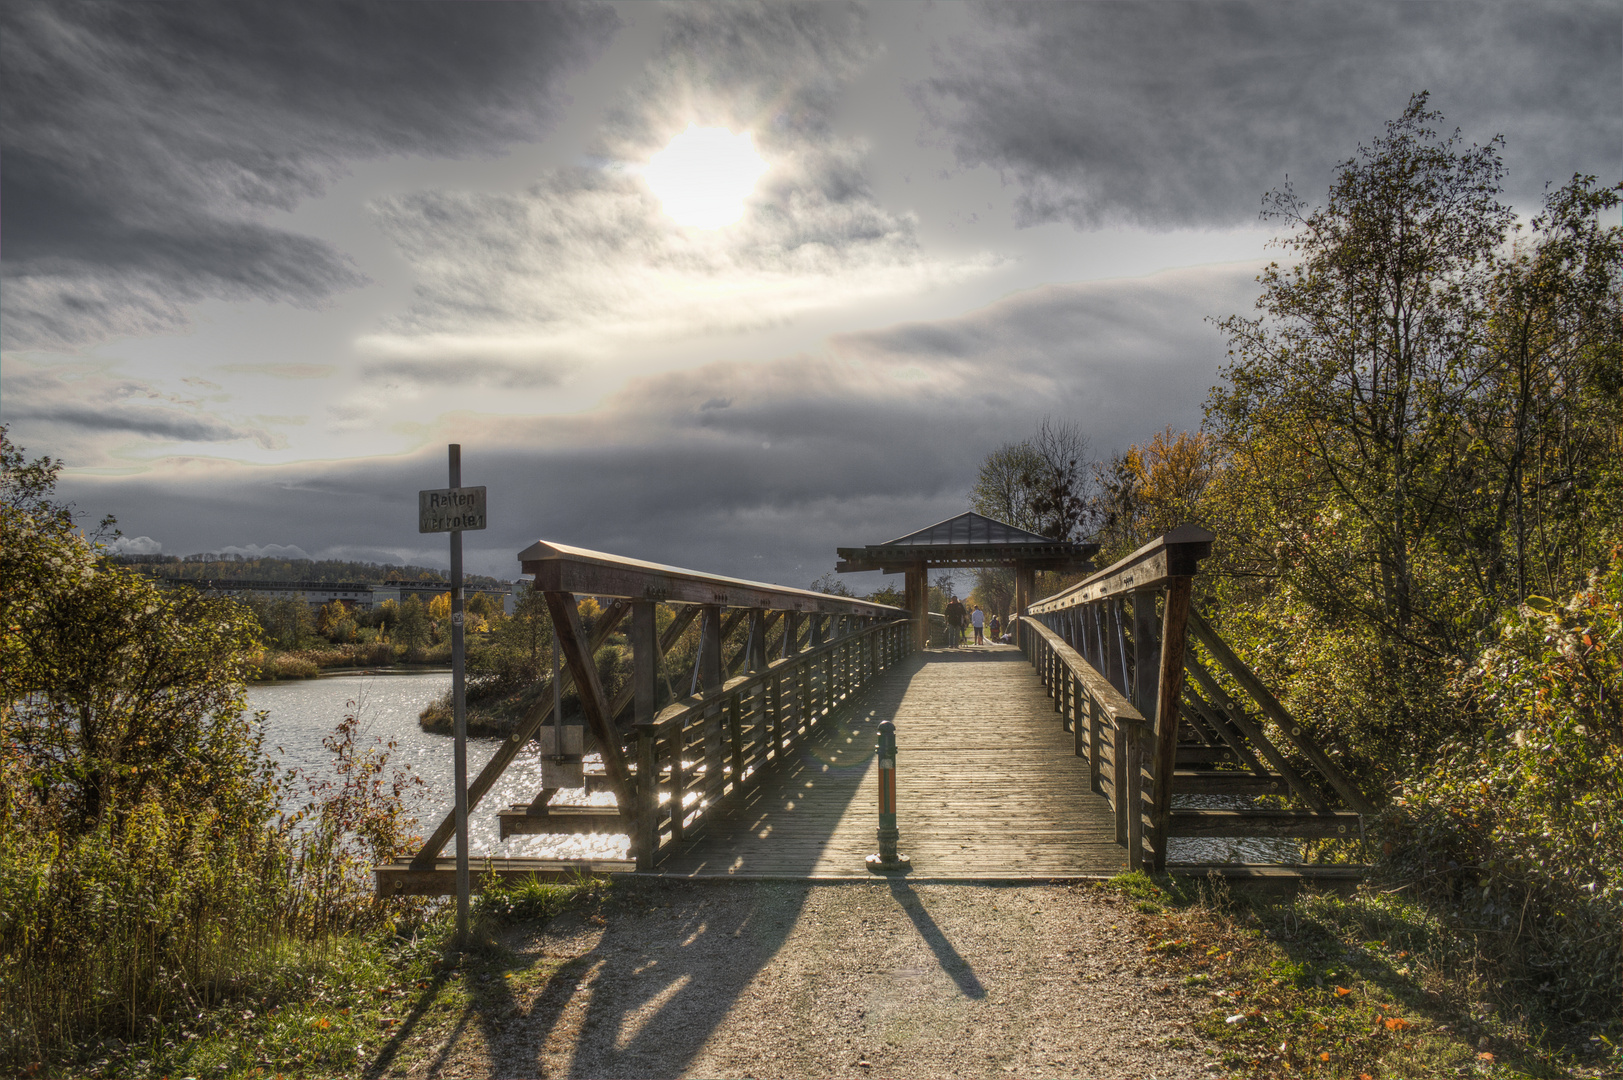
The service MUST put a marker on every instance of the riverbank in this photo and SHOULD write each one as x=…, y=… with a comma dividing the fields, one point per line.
x=280, y=665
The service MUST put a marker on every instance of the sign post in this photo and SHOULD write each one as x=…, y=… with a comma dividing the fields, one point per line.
x=454, y=510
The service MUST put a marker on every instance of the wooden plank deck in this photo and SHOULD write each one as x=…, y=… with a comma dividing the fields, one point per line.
x=987, y=783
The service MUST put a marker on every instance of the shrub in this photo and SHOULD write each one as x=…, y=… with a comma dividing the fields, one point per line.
x=1522, y=826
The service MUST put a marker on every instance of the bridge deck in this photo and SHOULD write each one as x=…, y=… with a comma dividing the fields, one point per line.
x=987, y=786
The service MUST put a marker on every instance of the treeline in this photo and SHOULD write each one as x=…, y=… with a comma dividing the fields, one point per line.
x=1413, y=465
x=210, y=566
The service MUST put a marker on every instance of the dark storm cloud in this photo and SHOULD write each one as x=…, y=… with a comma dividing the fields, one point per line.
x=757, y=470
x=1173, y=114
x=144, y=143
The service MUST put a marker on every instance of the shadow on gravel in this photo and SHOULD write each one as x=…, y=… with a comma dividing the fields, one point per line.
x=649, y=1007
x=948, y=957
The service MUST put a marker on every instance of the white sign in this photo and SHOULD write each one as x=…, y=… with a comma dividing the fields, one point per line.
x=451, y=509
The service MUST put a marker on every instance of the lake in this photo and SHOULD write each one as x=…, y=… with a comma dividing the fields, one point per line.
x=302, y=713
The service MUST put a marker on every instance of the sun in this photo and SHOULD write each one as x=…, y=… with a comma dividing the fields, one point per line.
x=703, y=177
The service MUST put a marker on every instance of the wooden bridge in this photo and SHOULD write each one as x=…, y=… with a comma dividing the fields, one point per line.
x=1062, y=756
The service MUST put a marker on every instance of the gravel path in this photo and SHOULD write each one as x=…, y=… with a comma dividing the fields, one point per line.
x=762, y=979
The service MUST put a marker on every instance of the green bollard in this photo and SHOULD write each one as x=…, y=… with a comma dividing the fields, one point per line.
x=888, y=860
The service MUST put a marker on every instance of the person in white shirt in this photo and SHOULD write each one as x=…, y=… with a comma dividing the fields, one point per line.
x=978, y=619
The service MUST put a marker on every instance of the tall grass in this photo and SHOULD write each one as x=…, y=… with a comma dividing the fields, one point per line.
x=168, y=911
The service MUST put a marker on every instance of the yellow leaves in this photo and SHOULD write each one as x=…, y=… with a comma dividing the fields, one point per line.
x=1397, y=1023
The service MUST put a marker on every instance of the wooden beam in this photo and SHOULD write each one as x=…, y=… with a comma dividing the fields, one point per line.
x=1287, y=724
x=523, y=732
x=1173, y=554
x=563, y=568
x=1168, y=693
x=1235, y=715
x=578, y=654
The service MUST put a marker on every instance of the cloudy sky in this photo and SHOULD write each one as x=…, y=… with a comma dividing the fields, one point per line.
x=261, y=262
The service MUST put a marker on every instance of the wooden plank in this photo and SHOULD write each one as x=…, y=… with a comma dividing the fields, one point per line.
x=1227, y=782
x=567, y=820
x=1286, y=723
x=1342, y=824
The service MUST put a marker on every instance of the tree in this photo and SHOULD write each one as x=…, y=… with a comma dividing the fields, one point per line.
x=1039, y=484
x=413, y=629
x=1353, y=376
x=112, y=689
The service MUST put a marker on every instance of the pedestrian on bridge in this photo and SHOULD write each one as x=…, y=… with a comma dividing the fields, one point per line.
x=978, y=617
x=955, y=623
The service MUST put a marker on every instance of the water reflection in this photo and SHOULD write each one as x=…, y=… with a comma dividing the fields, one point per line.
x=302, y=714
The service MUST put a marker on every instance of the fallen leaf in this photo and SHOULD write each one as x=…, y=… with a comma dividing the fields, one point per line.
x=1235, y=1019
x=1343, y=991
x=1325, y=1056
x=1484, y=1056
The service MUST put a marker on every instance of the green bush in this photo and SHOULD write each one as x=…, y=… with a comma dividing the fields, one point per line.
x=1522, y=825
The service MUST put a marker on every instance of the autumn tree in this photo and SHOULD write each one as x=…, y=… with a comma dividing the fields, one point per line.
x=1150, y=488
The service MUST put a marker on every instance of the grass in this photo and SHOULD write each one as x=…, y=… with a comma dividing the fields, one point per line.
x=1368, y=986
x=354, y=1005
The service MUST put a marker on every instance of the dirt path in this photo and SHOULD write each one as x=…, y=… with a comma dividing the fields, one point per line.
x=756, y=979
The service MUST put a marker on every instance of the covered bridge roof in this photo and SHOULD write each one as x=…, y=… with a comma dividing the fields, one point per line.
x=967, y=540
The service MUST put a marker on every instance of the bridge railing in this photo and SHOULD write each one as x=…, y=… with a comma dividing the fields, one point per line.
x=1130, y=626
x=671, y=764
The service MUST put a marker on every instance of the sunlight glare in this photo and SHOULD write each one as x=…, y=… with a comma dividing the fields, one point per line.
x=703, y=177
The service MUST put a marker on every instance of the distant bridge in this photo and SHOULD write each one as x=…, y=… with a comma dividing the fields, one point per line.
x=1072, y=766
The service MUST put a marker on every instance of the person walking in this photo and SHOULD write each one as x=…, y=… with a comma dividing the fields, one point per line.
x=955, y=623
x=978, y=619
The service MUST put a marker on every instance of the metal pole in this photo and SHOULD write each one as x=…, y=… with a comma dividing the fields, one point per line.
x=459, y=712
x=888, y=859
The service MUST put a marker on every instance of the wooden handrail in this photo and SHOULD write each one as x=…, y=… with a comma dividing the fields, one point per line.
x=563, y=568
x=1108, y=698
x=1172, y=554
x=682, y=708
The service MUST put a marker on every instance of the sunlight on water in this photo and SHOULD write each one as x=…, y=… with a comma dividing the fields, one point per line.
x=303, y=713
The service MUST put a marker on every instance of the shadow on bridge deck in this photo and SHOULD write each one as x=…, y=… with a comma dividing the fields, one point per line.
x=987, y=786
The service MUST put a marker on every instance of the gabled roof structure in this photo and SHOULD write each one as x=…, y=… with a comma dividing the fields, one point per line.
x=968, y=540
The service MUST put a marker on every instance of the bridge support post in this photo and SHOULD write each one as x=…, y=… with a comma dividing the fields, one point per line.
x=644, y=638
x=918, y=603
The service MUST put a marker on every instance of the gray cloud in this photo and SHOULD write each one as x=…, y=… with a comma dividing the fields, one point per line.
x=93, y=406
x=145, y=145
x=1184, y=113
x=879, y=434
x=462, y=372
